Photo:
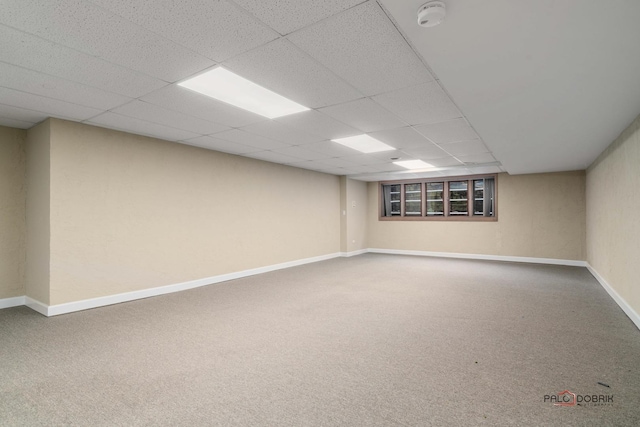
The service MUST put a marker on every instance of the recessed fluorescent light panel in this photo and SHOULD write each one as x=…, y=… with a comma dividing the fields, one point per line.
x=413, y=164
x=364, y=144
x=229, y=87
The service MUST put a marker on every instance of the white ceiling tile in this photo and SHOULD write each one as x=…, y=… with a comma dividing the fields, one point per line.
x=301, y=153
x=338, y=171
x=21, y=114
x=401, y=138
x=430, y=151
x=28, y=81
x=14, y=123
x=220, y=145
x=484, y=169
x=367, y=160
x=47, y=106
x=450, y=131
x=290, y=15
x=362, y=169
x=465, y=148
x=140, y=127
x=270, y=156
x=421, y=104
x=330, y=148
x=477, y=158
x=177, y=98
x=318, y=124
x=285, y=69
x=37, y=54
x=91, y=29
x=275, y=130
x=364, y=114
x=215, y=29
x=362, y=46
x=336, y=163
x=386, y=167
x=308, y=164
x=155, y=114
x=250, y=139
x=444, y=162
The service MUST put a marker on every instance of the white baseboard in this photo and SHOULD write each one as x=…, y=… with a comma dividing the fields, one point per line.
x=37, y=306
x=353, y=253
x=54, y=310
x=530, y=260
x=628, y=310
x=11, y=302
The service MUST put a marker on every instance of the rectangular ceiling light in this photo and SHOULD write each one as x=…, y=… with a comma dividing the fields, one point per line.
x=413, y=164
x=229, y=87
x=364, y=144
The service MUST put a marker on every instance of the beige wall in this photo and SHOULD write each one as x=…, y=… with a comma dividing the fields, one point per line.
x=130, y=212
x=353, y=219
x=613, y=203
x=38, y=213
x=357, y=207
x=539, y=215
x=12, y=212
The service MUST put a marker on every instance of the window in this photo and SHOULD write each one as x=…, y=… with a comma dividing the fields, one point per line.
x=457, y=198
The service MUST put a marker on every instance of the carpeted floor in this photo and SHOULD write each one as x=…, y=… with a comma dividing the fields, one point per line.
x=373, y=340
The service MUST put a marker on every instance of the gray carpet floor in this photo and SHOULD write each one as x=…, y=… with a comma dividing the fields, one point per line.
x=372, y=340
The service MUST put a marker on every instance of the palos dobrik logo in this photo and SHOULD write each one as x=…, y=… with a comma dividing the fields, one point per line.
x=567, y=398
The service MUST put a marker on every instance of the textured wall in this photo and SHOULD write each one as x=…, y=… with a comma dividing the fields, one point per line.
x=539, y=215
x=38, y=213
x=12, y=212
x=130, y=212
x=357, y=215
x=613, y=204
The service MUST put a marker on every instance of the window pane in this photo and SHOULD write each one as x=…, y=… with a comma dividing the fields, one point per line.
x=391, y=200
x=435, y=208
x=478, y=197
x=477, y=207
x=435, y=203
x=413, y=199
x=458, y=197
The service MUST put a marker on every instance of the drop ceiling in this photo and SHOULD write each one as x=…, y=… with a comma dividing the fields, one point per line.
x=513, y=86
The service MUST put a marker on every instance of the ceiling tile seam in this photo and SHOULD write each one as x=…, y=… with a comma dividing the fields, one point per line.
x=26, y=122
x=456, y=157
x=426, y=64
x=159, y=35
x=65, y=79
x=305, y=53
x=390, y=112
x=56, y=99
x=279, y=140
x=169, y=110
x=438, y=145
x=146, y=121
x=459, y=109
x=299, y=29
x=406, y=39
x=402, y=151
x=86, y=54
x=44, y=113
x=346, y=82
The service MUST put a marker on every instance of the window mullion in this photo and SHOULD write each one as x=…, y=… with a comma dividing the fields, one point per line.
x=402, y=200
x=445, y=198
x=423, y=196
x=470, y=197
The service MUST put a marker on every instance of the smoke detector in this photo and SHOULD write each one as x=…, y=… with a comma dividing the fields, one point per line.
x=431, y=14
